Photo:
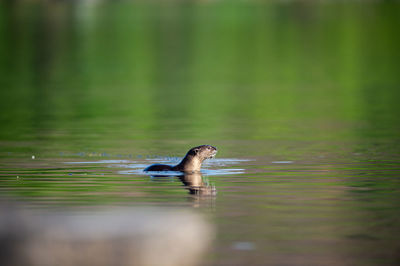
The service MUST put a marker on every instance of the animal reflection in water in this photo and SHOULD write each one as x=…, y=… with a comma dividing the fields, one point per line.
x=194, y=182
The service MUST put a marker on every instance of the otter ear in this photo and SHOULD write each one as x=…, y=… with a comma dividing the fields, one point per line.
x=196, y=151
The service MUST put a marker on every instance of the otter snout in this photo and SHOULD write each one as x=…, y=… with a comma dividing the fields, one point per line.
x=214, y=151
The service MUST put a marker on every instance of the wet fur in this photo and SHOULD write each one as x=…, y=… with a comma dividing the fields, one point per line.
x=190, y=163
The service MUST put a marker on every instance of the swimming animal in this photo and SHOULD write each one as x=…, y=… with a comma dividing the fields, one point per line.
x=190, y=163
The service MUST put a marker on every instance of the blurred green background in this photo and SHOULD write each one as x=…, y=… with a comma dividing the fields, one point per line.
x=98, y=74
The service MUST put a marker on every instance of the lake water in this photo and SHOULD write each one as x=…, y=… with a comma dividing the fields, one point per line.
x=301, y=99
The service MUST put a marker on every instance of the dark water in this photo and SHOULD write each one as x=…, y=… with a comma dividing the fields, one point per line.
x=301, y=99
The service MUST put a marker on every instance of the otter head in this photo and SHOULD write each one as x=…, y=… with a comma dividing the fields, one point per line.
x=203, y=152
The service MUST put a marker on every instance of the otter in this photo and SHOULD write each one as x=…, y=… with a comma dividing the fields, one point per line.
x=190, y=163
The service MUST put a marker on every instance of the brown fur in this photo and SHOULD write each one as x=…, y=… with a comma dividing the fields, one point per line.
x=190, y=163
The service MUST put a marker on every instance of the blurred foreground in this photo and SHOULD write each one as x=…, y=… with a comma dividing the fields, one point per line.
x=122, y=236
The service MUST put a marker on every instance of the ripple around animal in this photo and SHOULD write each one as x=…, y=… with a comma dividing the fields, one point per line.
x=137, y=167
